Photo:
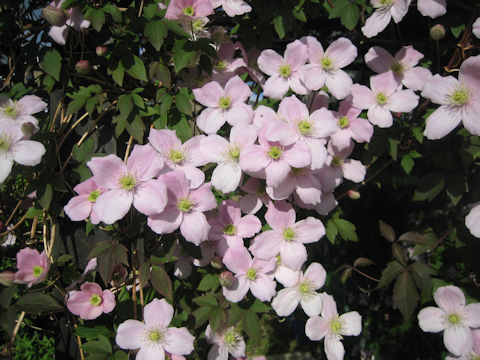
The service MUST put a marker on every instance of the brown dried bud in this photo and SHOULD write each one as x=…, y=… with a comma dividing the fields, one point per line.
x=54, y=16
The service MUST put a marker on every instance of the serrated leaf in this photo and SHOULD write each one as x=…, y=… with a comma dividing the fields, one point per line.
x=156, y=31
x=96, y=17
x=386, y=231
x=183, y=104
x=82, y=152
x=36, y=302
x=331, y=231
x=181, y=56
x=101, y=347
x=161, y=281
x=421, y=275
x=201, y=316
x=362, y=262
x=125, y=105
x=92, y=333
x=407, y=164
x=259, y=307
x=136, y=128
x=208, y=282
x=413, y=237
x=405, y=295
x=393, y=269
x=251, y=325
x=346, y=229
x=44, y=195
x=51, y=63
x=398, y=252
x=76, y=104
x=206, y=300
x=134, y=67
x=217, y=318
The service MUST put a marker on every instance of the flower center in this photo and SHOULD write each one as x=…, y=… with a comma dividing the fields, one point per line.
x=343, y=122
x=234, y=153
x=224, y=102
x=230, y=229
x=296, y=171
x=459, y=97
x=176, y=156
x=288, y=234
x=37, y=270
x=251, y=274
x=11, y=111
x=275, y=152
x=4, y=143
x=285, y=70
x=279, y=260
x=127, y=182
x=454, y=319
x=304, y=288
x=382, y=98
x=155, y=336
x=336, y=161
x=327, y=64
x=221, y=65
x=197, y=25
x=304, y=127
x=336, y=326
x=93, y=196
x=397, y=69
x=185, y=205
x=189, y=11
x=230, y=337
x=384, y=3
x=96, y=300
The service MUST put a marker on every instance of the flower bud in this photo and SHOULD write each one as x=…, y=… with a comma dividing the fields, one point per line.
x=226, y=278
x=83, y=67
x=101, y=50
x=217, y=262
x=28, y=128
x=353, y=194
x=7, y=278
x=437, y=32
x=54, y=16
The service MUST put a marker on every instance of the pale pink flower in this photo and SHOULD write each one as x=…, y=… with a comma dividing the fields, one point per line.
x=256, y=196
x=256, y=275
x=230, y=228
x=317, y=100
x=74, y=20
x=476, y=28
x=300, y=289
x=232, y=7
x=90, y=302
x=20, y=111
x=284, y=71
x=472, y=221
x=264, y=114
x=184, y=208
x=32, y=266
x=127, y=184
x=383, y=98
x=432, y=8
x=153, y=336
x=384, y=11
x=287, y=237
x=325, y=66
x=403, y=65
x=223, y=105
x=351, y=126
x=333, y=327
x=80, y=207
x=227, y=66
x=176, y=156
x=226, y=340
x=459, y=100
x=452, y=317
x=13, y=148
x=188, y=9
x=474, y=353
x=340, y=167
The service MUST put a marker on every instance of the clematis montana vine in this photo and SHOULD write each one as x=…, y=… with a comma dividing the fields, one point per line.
x=226, y=340
x=384, y=11
x=81, y=207
x=20, y=111
x=188, y=9
x=32, y=266
x=90, y=302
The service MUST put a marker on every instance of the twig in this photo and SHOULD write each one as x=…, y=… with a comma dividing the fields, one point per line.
x=129, y=146
x=70, y=130
x=363, y=274
x=15, y=226
x=13, y=212
x=141, y=8
x=79, y=342
x=17, y=326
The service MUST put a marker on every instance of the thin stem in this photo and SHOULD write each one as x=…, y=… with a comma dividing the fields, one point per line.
x=129, y=146
x=15, y=226
x=365, y=275
x=13, y=212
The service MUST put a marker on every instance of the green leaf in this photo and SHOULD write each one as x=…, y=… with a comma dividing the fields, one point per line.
x=430, y=186
x=339, y=8
x=457, y=30
x=114, y=12
x=206, y=300
x=102, y=346
x=134, y=67
x=251, y=324
x=156, y=31
x=421, y=275
x=161, y=281
x=119, y=355
x=331, y=231
x=51, y=63
x=201, y=315
x=181, y=56
x=407, y=164
x=217, y=317
x=62, y=259
x=393, y=148
x=350, y=16
x=386, y=231
x=117, y=73
x=399, y=253
x=125, y=104
x=393, y=269
x=362, y=262
x=208, y=282
x=259, y=307
x=96, y=17
x=346, y=229
x=33, y=212
x=92, y=333
x=279, y=28
x=44, y=195
x=430, y=243
x=136, y=128
x=405, y=295
x=82, y=152
x=183, y=129
x=183, y=104
x=36, y=302
x=413, y=237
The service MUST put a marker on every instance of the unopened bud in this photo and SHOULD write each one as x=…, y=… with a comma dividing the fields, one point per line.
x=353, y=194
x=226, y=278
x=216, y=262
x=437, y=32
x=28, y=128
x=7, y=278
x=119, y=275
x=101, y=50
x=54, y=16
x=83, y=67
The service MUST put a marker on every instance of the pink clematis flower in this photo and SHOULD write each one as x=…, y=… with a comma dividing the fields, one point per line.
x=223, y=105
x=20, y=112
x=287, y=237
x=384, y=97
x=230, y=228
x=256, y=196
x=474, y=353
x=227, y=66
x=300, y=289
x=226, y=340
x=325, y=66
x=13, y=148
x=459, y=100
x=476, y=28
x=432, y=8
x=153, y=336
x=472, y=221
x=227, y=175
x=176, y=156
x=284, y=71
x=340, y=167
x=32, y=266
x=90, y=302
x=452, y=317
x=188, y=9
x=403, y=65
x=184, y=208
x=333, y=327
x=127, y=184
x=232, y=7
x=256, y=275
x=74, y=20
x=384, y=11
x=81, y=207
x=351, y=126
